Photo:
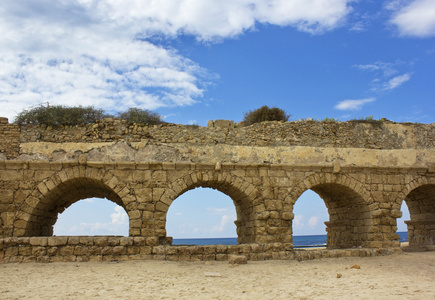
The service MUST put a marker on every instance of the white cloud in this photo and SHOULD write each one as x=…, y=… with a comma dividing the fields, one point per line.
x=79, y=79
x=210, y=19
x=387, y=69
x=117, y=225
x=297, y=221
x=99, y=53
x=313, y=221
x=397, y=81
x=225, y=220
x=384, y=80
x=119, y=217
x=416, y=18
x=119, y=221
x=353, y=104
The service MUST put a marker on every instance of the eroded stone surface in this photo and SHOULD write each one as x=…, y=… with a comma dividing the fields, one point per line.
x=363, y=172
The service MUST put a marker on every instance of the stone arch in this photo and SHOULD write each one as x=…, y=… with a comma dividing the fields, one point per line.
x=419, y=196
x=243, y=194
x=53, y=195
x=347, y=202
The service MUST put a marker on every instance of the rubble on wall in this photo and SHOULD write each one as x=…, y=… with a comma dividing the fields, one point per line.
x=379, y=135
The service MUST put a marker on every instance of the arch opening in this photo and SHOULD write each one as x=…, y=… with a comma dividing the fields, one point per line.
x=349, y=217
x=402, y=227
x=310, y=215
x=202, y=216
x=421, y=226
x=45, y=213
x=92, y=216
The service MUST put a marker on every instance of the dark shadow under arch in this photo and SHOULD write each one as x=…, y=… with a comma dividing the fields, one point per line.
x=421, y=205
x=349, y=217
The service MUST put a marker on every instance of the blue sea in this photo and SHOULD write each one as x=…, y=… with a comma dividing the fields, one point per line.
x=298, y=241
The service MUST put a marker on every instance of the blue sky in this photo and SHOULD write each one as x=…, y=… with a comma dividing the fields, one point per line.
x=196, y=60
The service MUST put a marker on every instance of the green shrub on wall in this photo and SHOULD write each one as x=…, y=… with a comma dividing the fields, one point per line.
x=140, y=116
x=54, y=115
x=265, y=113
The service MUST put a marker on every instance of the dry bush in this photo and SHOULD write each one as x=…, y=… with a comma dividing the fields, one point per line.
x=265, y=113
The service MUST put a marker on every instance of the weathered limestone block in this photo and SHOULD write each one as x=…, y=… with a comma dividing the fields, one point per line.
x=57, y=241
x=126, y=241
x=52, y=251
x=238, y=259
x=152, y=241
x=119, y=250
x=25, y=250
x=87, y=240
x=113, y=241
x=73, y=240
x=80, y=250
x=66, y=251
x=107, y=250
x=94, y=250
x=38, y=241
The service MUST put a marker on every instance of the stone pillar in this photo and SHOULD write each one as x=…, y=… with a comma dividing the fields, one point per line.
x=338, y=235
x=421, y=233
x=9, y=139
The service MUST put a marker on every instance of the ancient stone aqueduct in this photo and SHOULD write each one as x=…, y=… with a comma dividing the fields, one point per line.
x=363, y=172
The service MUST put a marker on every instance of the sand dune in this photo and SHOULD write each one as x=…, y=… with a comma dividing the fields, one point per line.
x=402, y=276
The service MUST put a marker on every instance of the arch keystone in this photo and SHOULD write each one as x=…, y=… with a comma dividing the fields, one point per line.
x=83, y=159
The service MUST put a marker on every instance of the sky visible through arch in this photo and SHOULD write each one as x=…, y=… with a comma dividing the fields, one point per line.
x=198, y=213
x=196, y=60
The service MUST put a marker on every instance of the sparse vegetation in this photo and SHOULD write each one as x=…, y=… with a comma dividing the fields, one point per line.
x=54, y=115
x=369, y=119
x=141, y=116
x=265, y=113
x=327, y=119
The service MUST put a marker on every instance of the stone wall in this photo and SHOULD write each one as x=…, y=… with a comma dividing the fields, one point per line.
x=363, y=203
x=386, y=135
x=362, y=171
x=112, y=248
x=9, y=139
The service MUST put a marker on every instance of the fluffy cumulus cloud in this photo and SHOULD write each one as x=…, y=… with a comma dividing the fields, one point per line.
x=101, y=53
x=353, y=104
x=227, y=218
x=118, y=224
x=414, y=18
x=119, y=216
x=210, y=19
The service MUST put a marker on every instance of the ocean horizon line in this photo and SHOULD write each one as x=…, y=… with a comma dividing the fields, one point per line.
x=298, y=240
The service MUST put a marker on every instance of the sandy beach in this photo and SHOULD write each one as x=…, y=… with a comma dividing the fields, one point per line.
x=400, y=276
